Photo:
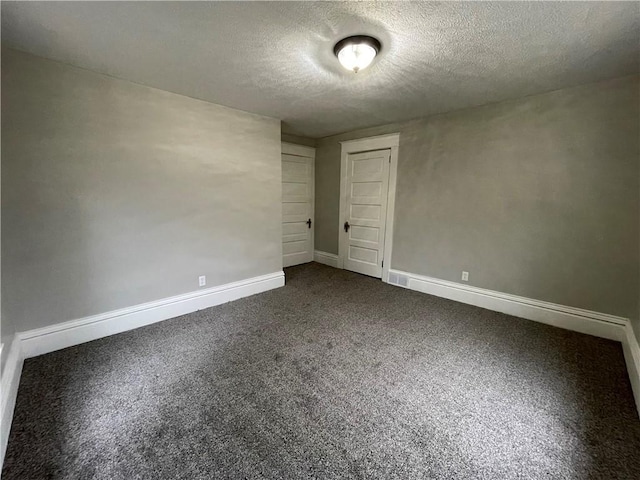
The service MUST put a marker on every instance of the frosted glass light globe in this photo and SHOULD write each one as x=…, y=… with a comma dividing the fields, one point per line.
x=356, y=53
x=356, y=57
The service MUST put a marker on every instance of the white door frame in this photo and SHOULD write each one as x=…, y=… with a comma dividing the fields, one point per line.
x=380, y=142
x=308, y=152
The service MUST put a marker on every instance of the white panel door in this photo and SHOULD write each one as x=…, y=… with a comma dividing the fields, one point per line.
x=297, y=210
x=362, y=235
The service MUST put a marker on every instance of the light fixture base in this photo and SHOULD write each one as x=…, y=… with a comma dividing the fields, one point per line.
x=355, y=40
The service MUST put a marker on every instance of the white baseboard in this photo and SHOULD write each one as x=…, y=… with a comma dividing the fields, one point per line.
x=44, y=340
x=632, y=357
x=10, y=381
x=570, y=318
x=62, y=335
x=326, y=258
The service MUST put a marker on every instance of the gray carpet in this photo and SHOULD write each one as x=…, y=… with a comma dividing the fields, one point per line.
x=335, y=375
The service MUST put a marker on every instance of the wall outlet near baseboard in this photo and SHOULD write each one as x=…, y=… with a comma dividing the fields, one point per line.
x=202, y=280
x=465, y=276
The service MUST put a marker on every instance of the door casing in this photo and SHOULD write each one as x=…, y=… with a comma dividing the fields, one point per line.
x=308, y=152
x=380, y=142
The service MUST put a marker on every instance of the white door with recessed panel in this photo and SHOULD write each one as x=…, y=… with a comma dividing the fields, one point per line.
x=297, y=209
x=363, y=232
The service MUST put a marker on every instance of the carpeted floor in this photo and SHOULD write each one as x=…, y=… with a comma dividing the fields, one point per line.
x=335, y=375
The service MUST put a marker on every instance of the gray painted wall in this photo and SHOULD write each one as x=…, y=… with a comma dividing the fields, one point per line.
x=536, y=197
x=115, y=194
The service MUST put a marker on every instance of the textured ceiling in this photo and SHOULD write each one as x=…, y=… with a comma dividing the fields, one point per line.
x=276, y=59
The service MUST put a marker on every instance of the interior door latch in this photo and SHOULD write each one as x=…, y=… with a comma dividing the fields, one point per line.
x=308, y=222
x=346, y=226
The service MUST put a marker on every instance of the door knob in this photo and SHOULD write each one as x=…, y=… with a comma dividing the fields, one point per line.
x=346, y=226
x=308, y=222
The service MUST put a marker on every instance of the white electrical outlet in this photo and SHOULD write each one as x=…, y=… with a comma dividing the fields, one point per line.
x=202, y=280
x=465, y=276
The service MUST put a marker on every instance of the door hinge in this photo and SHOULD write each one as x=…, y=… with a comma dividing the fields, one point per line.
x=383, y=263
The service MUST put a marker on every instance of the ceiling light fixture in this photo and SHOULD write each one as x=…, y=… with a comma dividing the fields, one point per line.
x=356, y=53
